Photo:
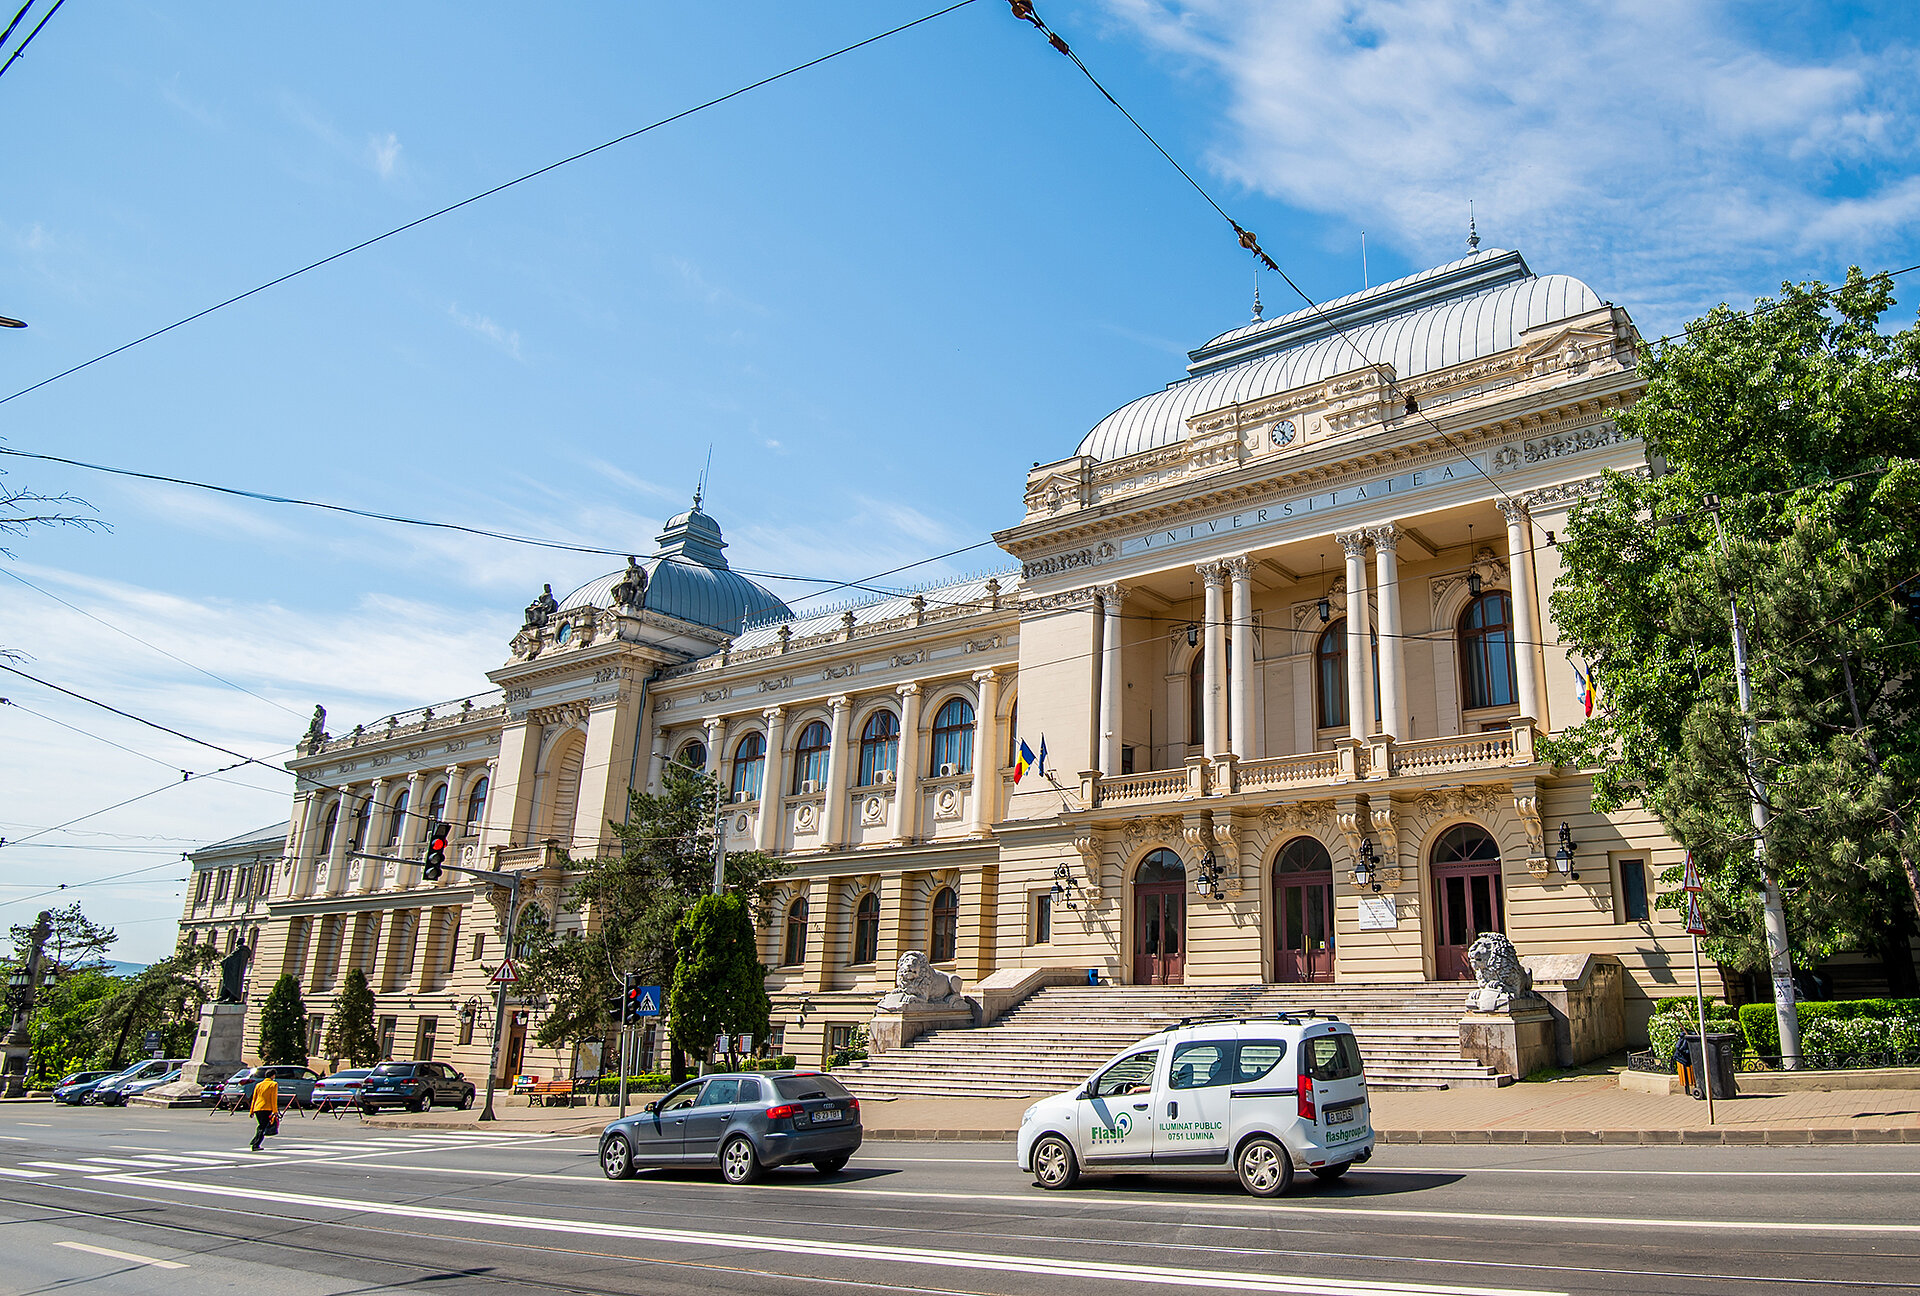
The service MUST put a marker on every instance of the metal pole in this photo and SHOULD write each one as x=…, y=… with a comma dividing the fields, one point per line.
x=19, y=1048
x=719, y=845
x=1779, y=955
x=500, y=998
x=1700, y=1001
x=626, y=1045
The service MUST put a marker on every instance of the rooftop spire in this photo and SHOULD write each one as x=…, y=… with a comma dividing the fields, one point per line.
x=1473, y=235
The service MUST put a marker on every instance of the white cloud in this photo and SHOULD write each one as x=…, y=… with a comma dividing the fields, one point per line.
x=1648, y=143
x=385, y=152
x=508, y=340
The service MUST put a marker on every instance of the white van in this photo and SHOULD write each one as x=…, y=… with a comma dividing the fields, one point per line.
x=1257, y=1094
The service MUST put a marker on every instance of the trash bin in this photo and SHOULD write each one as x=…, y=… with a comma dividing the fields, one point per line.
x=1721, y=1055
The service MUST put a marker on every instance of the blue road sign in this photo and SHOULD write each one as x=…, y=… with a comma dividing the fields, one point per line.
x=649, y=1001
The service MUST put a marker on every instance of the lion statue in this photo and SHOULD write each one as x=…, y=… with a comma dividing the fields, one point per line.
x=1497, y=969
x=917, y=981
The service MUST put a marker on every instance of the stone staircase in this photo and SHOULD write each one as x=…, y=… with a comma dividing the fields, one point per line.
x=1409, y=1036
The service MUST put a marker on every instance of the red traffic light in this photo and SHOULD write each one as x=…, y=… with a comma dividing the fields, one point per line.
x=436, y=852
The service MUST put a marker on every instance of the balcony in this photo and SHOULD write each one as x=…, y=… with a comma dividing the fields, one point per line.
x=1350, y=761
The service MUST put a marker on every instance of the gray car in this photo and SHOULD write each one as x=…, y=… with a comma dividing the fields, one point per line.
x=295, y=1084
x=112, y=1092
x=742, y=1122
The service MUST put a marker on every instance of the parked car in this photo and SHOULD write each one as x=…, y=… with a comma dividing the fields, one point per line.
x=744, y=1123
x=296, y=1085
x=1257, y=1095
x=112, y=1092
x=76, y=1088
x=417, y=1086
x=341, y=1089
x=134, y=1088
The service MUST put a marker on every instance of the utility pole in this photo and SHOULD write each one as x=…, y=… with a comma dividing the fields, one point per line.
x=1779, y=955
x=23, y=985
x=719, y=845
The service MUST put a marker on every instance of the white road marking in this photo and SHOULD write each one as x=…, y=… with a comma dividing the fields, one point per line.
x=142, y=1129
x=1690, y=1174
x=24, y=1174
x=118, y=1161
x=67, y=1165
x=128, y=1256
x=32, y=1125
x=16, y=1138
x=1155, y=1275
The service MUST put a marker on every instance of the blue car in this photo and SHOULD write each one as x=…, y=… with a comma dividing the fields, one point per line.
x=744, y=1123
x=76, y=1088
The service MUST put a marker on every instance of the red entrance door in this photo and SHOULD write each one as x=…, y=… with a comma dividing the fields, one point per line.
x=1303, y=912
x=1467, y=899
x=1160, y=920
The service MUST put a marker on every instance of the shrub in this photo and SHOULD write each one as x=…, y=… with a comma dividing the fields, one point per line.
x=1664, y=1029
x=785, y=1062
x=1762, y=1029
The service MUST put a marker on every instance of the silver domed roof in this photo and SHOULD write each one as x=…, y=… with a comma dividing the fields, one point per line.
x=688, y=578
x=1473, y=307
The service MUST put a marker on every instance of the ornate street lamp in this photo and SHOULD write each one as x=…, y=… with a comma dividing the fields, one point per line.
x=1563, y=858
x=1364, y=872
x=1207, y=881
x=1062, y=892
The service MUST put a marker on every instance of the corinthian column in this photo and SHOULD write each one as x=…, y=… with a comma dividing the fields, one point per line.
x=986, y=754
x=773, y=778
x=1393, y=658
x=1359, y=641
x=836, y=818
x=1240, y=705
x=906, y=783
x=1526, y=619
x=1111, y=679
x=716, y=739
x=1214, y=730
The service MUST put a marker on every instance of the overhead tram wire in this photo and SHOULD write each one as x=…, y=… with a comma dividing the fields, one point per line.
x=22, y=48
x=7, y=35
x=484, y=193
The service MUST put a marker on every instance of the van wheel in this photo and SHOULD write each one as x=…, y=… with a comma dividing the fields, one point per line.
x=1053, y=1163
x=1264, y=1167
x=738, y=1164
x=1330, y=1173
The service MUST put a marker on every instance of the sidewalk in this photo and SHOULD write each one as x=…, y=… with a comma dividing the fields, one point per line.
x=1587, y=1109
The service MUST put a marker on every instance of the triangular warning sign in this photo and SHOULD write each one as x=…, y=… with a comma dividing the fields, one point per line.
x=1696, y=925
x=1690, y=881
x=507, y=974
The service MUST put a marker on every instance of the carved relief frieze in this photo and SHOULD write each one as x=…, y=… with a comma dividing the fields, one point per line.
x=1053, y=564
x=1072, y=598
x=873, y=811
x=988, y=644
x=1482, y=801
x=1166, y=830
x=776, y=684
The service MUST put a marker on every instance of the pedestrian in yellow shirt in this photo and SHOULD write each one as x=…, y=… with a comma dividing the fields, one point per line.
x=265, y=1107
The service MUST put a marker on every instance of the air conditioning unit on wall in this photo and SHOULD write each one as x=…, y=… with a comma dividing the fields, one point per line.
x=948, y=771
x=883, y=777
x=809, y=787
x=740, y=798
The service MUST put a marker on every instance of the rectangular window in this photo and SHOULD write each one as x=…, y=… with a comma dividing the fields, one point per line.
x=453, y=940
x=200, y=886
x=1633, y=891
x=479, y=946
x=316, y=1032
x=1126, y=760
x=838, y=1037
x=423, y=1038
x=387, y=1025
x=1043, y=918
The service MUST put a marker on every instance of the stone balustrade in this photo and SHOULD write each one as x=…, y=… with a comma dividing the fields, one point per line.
x=1156, y=785
x=1289, y=771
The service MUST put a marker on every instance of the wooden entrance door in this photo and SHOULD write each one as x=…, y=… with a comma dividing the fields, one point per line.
x=516, y=1045
x=1467, y=898
x=1160, y=920
x=1303, y=912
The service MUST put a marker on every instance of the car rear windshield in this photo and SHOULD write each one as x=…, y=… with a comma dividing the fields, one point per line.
x=1331, y=1057
x=795, y=1088
x=394, y=1068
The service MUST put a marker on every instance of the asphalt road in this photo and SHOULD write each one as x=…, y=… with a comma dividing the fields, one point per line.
x=116, y=1201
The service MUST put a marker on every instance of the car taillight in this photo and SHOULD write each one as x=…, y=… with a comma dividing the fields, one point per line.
x=1307, y=1112
x=785, y=1111
x=854, y=1106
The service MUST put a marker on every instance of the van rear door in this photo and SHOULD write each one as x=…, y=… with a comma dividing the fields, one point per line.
x=1330, y=1063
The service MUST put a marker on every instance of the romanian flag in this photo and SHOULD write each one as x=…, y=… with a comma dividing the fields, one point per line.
x=1023, y=761
x=1585, y=681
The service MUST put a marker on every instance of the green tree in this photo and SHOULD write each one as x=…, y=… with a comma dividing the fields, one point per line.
x=73, y=942
x=719, y=984
x=350, y=1029
x=635, y=899
x=165, y=996
x=283, y=1023
x=1803, y=418
x=571, y=974
x=62, y=1032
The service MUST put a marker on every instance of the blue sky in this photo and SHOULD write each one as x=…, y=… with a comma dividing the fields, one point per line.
x=878, y=290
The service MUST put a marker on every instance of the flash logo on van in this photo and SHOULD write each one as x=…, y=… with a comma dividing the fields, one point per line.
x=1114, y=1133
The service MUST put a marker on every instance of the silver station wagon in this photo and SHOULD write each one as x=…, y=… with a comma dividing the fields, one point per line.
x=744, y=1123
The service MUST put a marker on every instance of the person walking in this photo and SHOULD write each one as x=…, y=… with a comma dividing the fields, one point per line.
x=265, y=1106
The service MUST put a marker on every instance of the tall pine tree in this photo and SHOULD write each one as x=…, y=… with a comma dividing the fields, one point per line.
x=350, y=1032
x=283, y=1024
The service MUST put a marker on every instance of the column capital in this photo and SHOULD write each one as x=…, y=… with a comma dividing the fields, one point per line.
x=1353, y=542
x=909, y=690
x=1385, y=537
x=1512, y=509
x=839, y=702
x=1112, y=595
x=378, y=784
x=453, y=771
x=990, y=673
x=1240, y=566
x=773, y=713
x=1214, y=571
x=715, y=724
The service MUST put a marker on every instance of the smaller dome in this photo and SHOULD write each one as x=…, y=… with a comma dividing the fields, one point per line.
x=688, y=578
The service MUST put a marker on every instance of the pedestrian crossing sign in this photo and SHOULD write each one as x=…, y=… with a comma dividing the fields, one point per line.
x=1696, y=924
x=649, y=1001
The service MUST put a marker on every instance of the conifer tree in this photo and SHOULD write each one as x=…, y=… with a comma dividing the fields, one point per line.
x=350, y=1032
x=283, y=1024
x=719, y=982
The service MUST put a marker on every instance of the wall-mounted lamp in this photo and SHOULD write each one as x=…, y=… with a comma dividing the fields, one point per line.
x=1364, y=872
x=1563, y=858
x=1063, y=886
x=1207, y=880
x=1473, y=583
x=1193, y=634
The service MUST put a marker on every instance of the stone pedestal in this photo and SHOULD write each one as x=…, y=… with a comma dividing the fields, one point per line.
x=898, y=1027
x=1516, y=1040
x=216, y=1055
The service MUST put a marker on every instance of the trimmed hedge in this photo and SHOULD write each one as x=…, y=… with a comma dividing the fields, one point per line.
x=1762, y=1029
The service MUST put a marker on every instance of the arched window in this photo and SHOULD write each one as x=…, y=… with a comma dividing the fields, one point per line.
x=1304, y=855
x=866, y=929
x=397, y=821
x=693, y=755
x=1330, y=675
x=361, y=818
x=796, y=948
x=810, y=756
x=1465, y=844
x=879, y=747
x=437, y=805
x=1013, y=733
x=953, y=736
x=943, y=932
x=1486, y=651
x=326, y=837
x=749, y=766
x=1160, y=866
x=476, y=805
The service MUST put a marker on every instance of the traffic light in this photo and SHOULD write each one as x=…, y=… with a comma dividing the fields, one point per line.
x=436, y=852
x=630, y=1001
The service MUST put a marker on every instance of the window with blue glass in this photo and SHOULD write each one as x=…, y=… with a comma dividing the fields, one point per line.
x=953, y=736
x=879, y=747
x=749, y=766
x=810, y=756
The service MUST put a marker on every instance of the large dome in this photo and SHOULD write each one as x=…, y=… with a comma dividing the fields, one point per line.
x=1441, y=317
x=688, y=578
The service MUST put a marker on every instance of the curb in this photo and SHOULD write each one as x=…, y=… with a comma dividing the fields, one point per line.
x=1749, y=1137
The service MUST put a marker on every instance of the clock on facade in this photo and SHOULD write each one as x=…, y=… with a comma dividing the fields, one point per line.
x=1283, y=432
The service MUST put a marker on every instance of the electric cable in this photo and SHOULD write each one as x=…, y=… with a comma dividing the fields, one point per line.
x=28, y=39
x=7, y=35
x=484, y=193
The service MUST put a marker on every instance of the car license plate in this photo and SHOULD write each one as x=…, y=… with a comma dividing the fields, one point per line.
x=1341, y=1115
x=826, y=1117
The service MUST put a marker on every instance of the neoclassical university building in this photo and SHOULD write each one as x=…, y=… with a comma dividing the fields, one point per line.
x=1281, y=628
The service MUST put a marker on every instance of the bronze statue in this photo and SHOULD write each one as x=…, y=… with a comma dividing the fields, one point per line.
x=233, y=973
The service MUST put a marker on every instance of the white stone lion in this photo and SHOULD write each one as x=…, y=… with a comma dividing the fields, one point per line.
x=1498, y=970
x=917, y=981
